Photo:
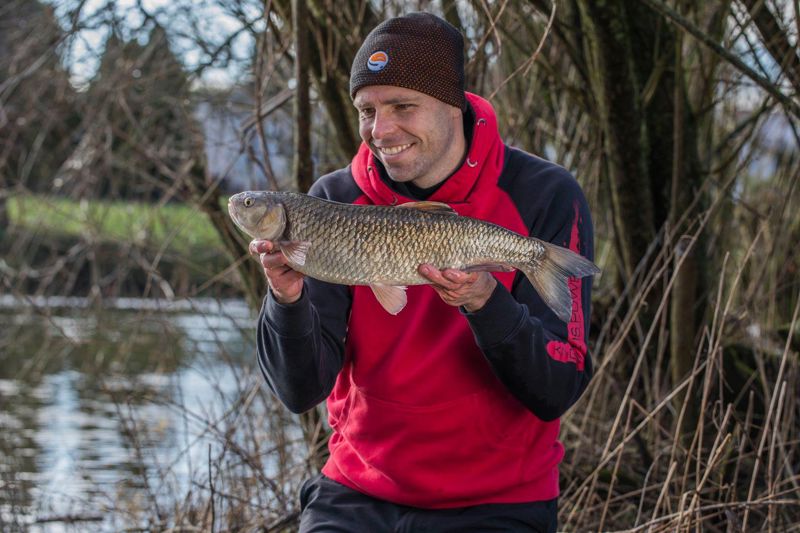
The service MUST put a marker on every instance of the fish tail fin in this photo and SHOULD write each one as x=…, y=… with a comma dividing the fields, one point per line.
x=549, y=273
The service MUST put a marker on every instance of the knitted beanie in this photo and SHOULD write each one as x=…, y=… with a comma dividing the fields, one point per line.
x=417, y=51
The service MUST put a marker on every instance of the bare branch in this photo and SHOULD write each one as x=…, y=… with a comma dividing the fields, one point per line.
x=659, y=6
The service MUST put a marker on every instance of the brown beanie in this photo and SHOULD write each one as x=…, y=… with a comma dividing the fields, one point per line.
x=418, y=51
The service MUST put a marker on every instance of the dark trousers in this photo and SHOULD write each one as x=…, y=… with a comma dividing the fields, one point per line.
x=328, y=506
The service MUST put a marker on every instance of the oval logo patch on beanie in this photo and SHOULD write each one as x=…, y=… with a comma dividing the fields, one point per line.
x=378, y=61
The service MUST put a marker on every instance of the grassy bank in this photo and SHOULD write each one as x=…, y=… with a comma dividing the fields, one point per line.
x=56, y=245
x=179, y=227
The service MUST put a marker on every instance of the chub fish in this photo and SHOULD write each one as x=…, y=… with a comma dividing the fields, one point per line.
x=382, y=246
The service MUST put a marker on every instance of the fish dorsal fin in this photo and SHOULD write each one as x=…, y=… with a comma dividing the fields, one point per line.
x=295, y=251
x=391, y=297
x=431, y=207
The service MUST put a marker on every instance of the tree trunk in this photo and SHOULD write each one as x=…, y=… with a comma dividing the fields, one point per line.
x=303, y=167
x=692, y=132
x=682, y=299
x=617, y=91
x=331, y=41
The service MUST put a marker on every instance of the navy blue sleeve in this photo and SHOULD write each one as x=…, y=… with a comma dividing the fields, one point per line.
x=543, y=361
x=301, y=345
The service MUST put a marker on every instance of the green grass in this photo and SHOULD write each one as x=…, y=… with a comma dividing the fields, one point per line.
x=181, y=228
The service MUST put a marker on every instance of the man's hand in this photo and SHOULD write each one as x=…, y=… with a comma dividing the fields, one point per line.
x=286, y=284
x=472, y=290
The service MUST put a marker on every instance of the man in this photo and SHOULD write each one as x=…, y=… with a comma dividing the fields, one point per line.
x=445, y=416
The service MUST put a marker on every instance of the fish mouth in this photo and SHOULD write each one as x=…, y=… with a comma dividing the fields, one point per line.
x=233, y=214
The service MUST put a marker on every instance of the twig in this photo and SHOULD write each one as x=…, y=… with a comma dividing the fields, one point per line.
x=528, y=62
x=69, y=519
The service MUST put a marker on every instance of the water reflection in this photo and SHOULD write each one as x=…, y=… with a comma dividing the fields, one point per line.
x=93, y=403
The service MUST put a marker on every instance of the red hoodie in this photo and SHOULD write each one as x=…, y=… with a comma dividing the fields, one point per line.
x=419, y=417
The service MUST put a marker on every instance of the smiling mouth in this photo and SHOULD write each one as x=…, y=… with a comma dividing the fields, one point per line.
x=394, y=150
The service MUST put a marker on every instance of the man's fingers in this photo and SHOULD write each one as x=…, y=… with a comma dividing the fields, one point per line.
x=275, y=265
x=277, y=273
x=257, y=247
x=271, y=261
x=459, y=276
x=285, y=282
x=434, y=275
x=449, y=279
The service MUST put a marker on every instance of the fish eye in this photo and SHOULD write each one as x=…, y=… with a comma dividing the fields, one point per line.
x=248, y=201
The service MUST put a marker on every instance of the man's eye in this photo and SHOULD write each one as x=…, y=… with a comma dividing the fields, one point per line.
x=366, y=113
x=404, y=107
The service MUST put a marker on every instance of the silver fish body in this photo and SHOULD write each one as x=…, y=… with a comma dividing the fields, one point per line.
x=382, y=246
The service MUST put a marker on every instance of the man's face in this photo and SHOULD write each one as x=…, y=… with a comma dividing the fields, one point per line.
x=417, y=137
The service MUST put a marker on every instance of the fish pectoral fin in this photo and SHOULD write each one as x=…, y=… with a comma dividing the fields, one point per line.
x=489, y=267
x=391, y=297
x=295, y=251
x=431, y=207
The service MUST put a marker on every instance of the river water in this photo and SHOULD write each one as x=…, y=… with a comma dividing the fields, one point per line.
x=106, y=404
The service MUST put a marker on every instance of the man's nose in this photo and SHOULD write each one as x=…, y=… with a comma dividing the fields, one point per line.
x=382, y=126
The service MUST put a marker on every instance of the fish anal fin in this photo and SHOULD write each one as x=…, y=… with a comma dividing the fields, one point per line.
x=489, y=267
x=430, y=207
x=391, y=297
x=295, y=251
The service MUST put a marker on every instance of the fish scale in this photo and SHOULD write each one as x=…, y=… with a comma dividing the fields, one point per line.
x=383, y=246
